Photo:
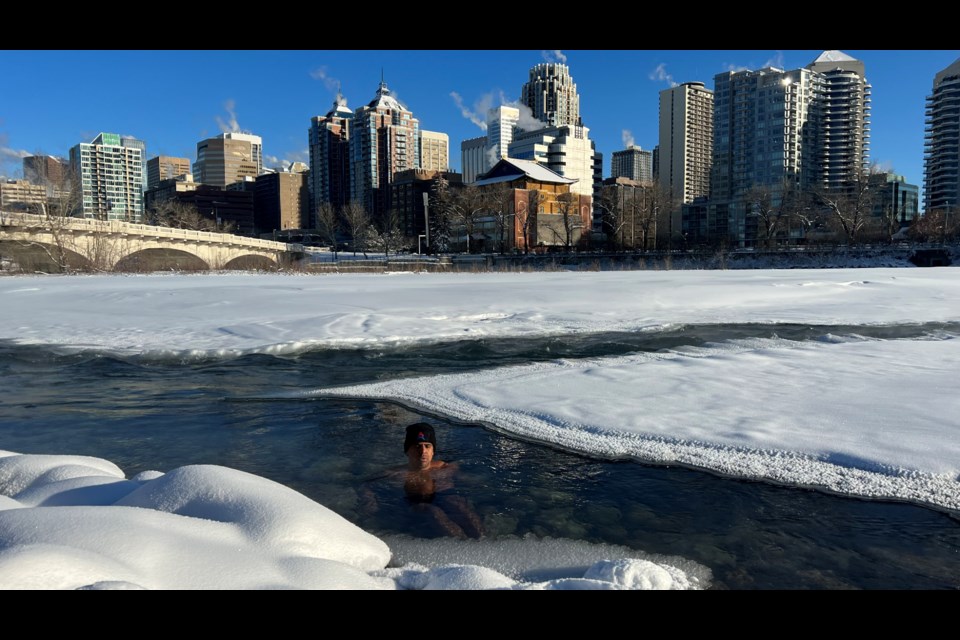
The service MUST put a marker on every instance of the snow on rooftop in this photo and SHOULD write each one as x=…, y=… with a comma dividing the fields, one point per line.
x=534, y=170
x=833, y=55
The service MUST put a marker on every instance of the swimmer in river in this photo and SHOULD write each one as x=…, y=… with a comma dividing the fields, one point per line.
x=427, y=485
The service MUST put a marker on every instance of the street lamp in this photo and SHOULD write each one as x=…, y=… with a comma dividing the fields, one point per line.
x=216, y=212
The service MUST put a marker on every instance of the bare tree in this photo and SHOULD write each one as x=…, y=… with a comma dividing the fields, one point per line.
x=938, y=225
x=105, y=247
x=629, y=213
x=656, y=201
x=612, y=210
x=773, y=205
x=53, y=216
x=888, y=223
x=500, y=201
x=527, y=215
x=466, y=206
x=328, y=224
x=568, y=208
x=357, y=223
x=184, y=215
x=850, y=207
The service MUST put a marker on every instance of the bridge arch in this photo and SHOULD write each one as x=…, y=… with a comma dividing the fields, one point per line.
x=43, y=257
x=157, y=259
x=251, y=262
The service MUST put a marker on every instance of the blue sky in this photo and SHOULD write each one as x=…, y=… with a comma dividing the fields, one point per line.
x=52, y=100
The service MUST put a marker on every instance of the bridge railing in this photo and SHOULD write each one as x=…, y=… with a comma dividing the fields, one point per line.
x=131, y=228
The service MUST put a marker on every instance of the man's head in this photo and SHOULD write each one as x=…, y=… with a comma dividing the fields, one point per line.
x=417, y=433
x=419, y=445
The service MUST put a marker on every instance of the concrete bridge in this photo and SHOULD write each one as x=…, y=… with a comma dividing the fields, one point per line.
x=44, y=243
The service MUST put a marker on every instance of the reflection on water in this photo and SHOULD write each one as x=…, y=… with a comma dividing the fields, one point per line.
x=144, y=413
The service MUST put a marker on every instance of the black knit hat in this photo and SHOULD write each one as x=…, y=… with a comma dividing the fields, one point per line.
x=419, y=432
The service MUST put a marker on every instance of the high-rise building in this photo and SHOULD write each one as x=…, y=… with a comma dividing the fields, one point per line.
x=130, y=141
x=634, y=163
x=478, y=155
x=500, y=130
x=941, y=163
x=563, y=144
x=110, y=172
x=552, y=95
x=765, y=130
x=329, y=157
x=810, y=126
x=473, y=158
x=843, y=148
x=256, y=146
x=806, y=128
x=165, y=167
x=44, y=170
x=280, y=201
x=384, y=139
x=686, y=140
x=434, y=151
x=765, y=135
x=228, y=158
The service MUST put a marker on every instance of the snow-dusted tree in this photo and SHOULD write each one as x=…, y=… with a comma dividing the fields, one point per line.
x=440, y=213
x=387, y=234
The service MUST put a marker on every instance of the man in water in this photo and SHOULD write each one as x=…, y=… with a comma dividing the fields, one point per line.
x=420, y=481
x=427, y=483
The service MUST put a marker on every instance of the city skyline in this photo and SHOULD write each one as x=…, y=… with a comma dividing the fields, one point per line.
x=274, y=94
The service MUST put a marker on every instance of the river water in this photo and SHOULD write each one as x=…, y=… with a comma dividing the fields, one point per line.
x=148, y=413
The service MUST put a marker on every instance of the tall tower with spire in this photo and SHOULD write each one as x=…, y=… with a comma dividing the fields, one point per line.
x=329, y=157
x=941, y=162
x=552, y=95
x=384, y=139
x=562, y=144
